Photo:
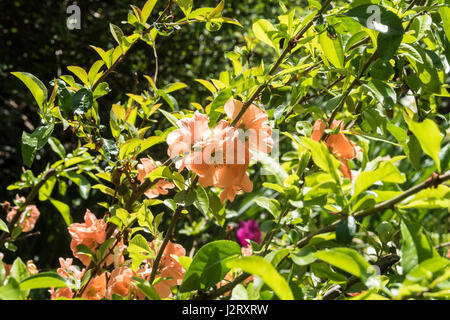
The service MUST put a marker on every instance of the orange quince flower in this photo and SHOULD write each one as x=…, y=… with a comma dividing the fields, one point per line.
x=343, y=148
x=161, y=186
x=91, y=233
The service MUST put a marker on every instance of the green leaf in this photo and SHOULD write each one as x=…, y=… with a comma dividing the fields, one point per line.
x=303, y=256
x=332, y=48
x=81, y=182
x=35, y=85
x=322, y=158
x=82, y=101
x=83, y=249
x=117, y=33
x=10, y=290
x=384, y=93
x=175, y=87
x=218, y=102
x=172, y=119
x=80, y=73
x=209, y=265
x=46, y=190
x=386, y=172
x=445, y=16
x=346, y=230
x=139, y=244
x=429, y=137
x=271, y=205
x=208, y=85
x=202, y=200
x=185, y=6
x=29, y=147
x=103, y=250
x=348, y=260
x=19, y=270
x=262, y=30
x=147, y=10
x=3, y=226
x=147, y=289
x=93, y=72
x=57, y=146
x=416, y=246
x=431, y=198
x=35, y=141
x=43, y=280
x=389, y=26
x=266, y=271
x=110, y=150
x=64, y=209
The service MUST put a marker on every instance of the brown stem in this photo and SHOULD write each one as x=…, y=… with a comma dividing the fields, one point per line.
x=169, y=233
x=119, y=60
x=384, y=264
x=291, y=45
x=359, y=215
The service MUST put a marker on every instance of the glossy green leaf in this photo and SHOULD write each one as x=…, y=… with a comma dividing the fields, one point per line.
x=386, y=172
x=348, y=260
x=64, y=209
x=387, y=23
x=429, y=137
x=35, y=85
x=209, y=265
x=416, y=246
x=384, y=93
x=262, y=30
x=266, y=271
x=322, y=157
x=346, y=230
x=82, y=101
x=332, y=48
x=147, y=10
x=43, y=280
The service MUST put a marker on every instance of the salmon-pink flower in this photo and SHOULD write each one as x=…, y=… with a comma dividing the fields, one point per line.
x=220, y=157
x=168, y=267
x=96, y=288
x=121, y=283
x=67, y=271
x=191, y=131
x=343, y=148
x=255, y=122
x=61, y=293
x=161, y=186
x=27, y=218
x=91, y=233
x=248, y=230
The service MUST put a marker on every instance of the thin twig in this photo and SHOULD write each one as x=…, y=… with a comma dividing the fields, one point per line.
x=382, y=206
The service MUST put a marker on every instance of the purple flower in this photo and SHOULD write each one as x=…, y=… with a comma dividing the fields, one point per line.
x=248, y=230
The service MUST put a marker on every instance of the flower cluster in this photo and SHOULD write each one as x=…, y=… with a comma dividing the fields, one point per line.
x=92, y=233
x=168, y=268
x=220, y=157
